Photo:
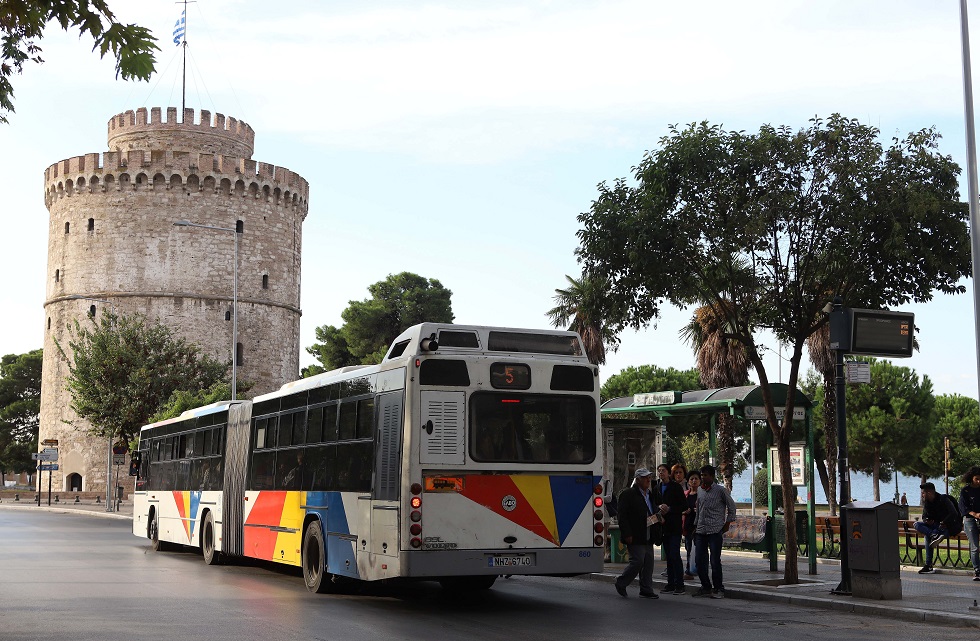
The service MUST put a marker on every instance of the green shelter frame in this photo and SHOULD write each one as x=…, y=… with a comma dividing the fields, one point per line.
x=732, y=401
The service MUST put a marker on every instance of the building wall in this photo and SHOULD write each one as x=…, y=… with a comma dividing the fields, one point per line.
x=121, y=245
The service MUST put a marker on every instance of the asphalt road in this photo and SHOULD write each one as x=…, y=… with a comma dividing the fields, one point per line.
x=86, y=578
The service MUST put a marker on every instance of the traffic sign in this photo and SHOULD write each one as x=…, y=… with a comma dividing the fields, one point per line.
x=49, y=441
x=48, y=467
x=118, y=459
x=46, y=455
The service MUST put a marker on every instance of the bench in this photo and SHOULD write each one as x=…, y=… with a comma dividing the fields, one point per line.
x=750, y=532
x=916, y=541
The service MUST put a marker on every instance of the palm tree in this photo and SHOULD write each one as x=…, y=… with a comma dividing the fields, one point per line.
x=721, y=362
x=583, y=308
x=825, y=362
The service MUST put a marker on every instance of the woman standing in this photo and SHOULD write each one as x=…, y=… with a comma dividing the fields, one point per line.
x=690, y=516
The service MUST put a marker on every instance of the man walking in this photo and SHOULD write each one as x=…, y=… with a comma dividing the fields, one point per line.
x=637, y=512
x=716, y=511
x=938, y=520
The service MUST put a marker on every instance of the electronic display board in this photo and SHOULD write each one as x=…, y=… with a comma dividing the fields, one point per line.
x=882, y=333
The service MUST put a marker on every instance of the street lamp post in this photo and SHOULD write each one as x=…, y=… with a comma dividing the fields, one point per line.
x=108, y=465
x=234, y=302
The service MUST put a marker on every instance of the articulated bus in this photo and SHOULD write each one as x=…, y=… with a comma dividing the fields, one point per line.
x=468, y=453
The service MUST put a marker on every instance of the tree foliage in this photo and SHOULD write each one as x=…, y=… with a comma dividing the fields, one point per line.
x=888, y=420
x=122, y=369
x=22, y=25
x=370, y=325
x=182, y=400
x=766, y=227
x=20, y=408
x=957, y=418
x=583, y=308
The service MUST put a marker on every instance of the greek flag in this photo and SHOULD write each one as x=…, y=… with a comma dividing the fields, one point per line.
x=179, y=28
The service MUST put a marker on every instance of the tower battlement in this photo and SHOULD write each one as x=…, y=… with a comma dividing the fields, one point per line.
x=139, y=129
x=165, y=169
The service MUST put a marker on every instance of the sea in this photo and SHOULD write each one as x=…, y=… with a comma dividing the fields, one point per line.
x=862, y=488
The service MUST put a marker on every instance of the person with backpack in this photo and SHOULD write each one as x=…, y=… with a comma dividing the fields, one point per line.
x=969, y=505
x=940, y=519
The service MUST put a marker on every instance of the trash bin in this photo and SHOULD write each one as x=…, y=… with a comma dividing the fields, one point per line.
x=872, y=549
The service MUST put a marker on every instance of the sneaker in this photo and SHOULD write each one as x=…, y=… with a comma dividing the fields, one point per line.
x=681, y=590
x=668, y=588
x=621, y=590
x=937, y=539
x=976, y=575
x=702, y=592
x=718, y=594
x=928, y=569
x=664, y=573
x=649, y=595
x=688, y=576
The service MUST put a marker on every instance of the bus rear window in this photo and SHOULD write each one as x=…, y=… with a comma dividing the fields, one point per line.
x=562, y=345
x=444, y=372
x=532, y=428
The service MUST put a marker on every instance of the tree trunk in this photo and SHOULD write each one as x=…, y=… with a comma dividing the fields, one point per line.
x=791, y=571
x=830, y=440
x=726, y=448
x=876, y=472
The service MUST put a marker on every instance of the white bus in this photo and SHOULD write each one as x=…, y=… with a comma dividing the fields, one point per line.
x=468, y=453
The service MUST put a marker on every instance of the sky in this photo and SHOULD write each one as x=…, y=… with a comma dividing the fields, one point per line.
x=460, y=140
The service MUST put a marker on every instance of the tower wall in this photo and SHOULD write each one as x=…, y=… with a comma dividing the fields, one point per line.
x=111, y=236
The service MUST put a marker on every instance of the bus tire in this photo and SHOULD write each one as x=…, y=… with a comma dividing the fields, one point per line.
x=468, y=583
x=211, y=555
x=315, y=559
x=153, y=533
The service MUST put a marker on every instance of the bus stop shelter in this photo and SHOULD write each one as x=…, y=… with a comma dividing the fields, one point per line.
x=741, y=402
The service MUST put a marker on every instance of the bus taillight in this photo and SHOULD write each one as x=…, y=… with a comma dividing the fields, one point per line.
x=597, y=501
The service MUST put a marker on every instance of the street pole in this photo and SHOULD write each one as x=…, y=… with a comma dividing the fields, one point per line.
x=844, y=484
x=971, y=172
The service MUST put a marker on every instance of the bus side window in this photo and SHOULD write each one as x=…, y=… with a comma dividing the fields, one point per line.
x=365, y=418
x=348, y=421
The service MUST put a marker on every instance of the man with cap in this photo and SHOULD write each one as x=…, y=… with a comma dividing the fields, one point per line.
x=936, y=523
x=638, y=510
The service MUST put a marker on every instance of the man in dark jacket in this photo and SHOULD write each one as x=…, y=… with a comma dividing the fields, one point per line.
x=638, y=510
x=938, y=516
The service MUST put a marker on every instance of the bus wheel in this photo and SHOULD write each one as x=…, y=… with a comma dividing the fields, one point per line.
x=315, y=560
x=211, y=555
x=153, y=533
x=467, y=583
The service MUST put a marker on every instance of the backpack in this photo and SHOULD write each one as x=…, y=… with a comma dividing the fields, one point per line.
x=957, y=526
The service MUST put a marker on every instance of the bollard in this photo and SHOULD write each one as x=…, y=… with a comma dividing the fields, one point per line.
x=16, y=497
x=97, y=500
x=77, y=499
x=56, y=500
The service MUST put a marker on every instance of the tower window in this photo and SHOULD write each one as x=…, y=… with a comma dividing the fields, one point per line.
x=239, y=353
x=265, y=281
x=228, y=315
x=91, y=311
x=49, y=322
x=91, y=224
x=57, y=275
x=67, y=227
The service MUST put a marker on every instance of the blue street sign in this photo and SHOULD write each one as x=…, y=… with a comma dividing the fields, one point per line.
x=50, y=467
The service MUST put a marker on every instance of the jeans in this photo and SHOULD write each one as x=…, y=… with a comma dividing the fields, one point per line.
x=929, y=530
x=689, y=546
x=675, y=564
x=704, y=544
x=641, y=562
x=972, y=529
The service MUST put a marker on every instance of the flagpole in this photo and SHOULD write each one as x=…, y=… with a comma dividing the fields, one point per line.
x=183, y=84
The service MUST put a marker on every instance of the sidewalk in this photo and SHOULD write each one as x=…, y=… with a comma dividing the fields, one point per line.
x=87, y=507
x=949, y=596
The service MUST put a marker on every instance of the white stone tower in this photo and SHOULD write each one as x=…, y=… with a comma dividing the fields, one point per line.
x=112, y=237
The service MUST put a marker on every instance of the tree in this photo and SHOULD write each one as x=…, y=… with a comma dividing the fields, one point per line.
x=825, y=362
x=370, y=325
x=582, y=308
x=22, y=24
x=957, y=418
x=20, y=408
x=182, y=400
x=649, y=378
x=888, y=419
x=722, y=362
x=762, y=226
x=122, y=369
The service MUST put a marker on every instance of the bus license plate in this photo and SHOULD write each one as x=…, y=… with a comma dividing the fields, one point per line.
x=510, y=561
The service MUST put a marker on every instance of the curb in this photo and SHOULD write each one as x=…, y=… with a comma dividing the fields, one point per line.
x=69, y=510
x=856, y=606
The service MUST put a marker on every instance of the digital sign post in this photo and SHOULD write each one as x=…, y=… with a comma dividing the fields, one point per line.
x=872, y=332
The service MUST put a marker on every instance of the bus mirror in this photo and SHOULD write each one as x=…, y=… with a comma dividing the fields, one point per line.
x=429, y=344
